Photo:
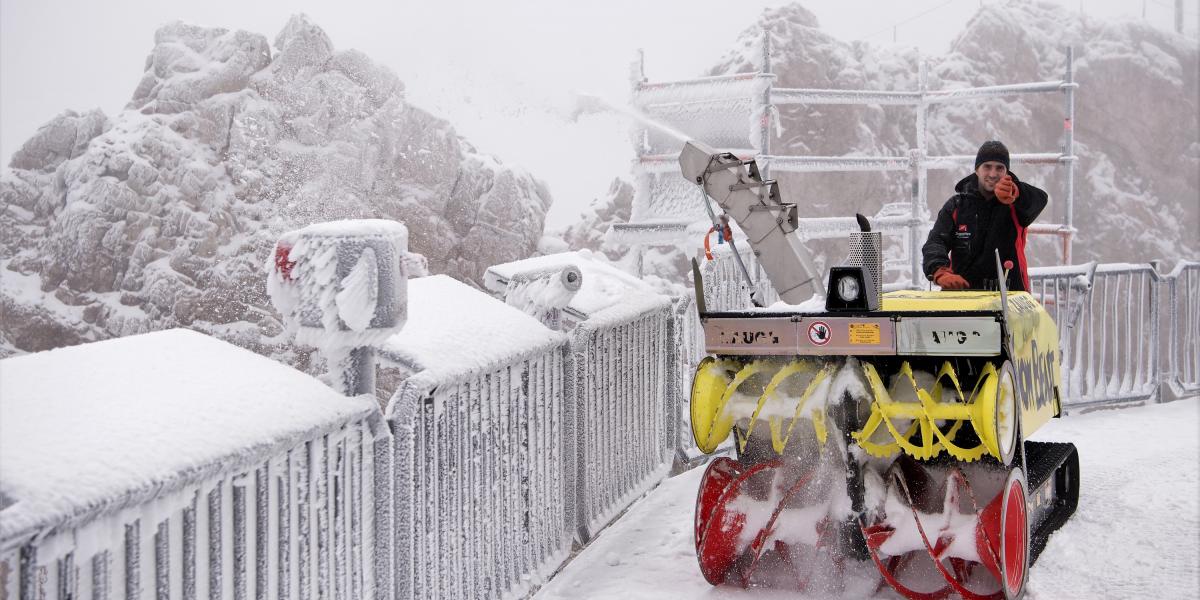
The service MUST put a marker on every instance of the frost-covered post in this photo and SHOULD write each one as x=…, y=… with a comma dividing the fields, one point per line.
x=341, y=287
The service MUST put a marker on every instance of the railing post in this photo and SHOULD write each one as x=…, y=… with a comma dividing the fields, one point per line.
x=1069, y=152
x=764, y=116
x=920, y=201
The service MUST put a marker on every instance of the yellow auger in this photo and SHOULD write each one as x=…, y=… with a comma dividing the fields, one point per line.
x=718, y=380
x=929, y=409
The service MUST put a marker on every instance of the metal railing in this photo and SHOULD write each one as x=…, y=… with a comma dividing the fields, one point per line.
x=1109, y=331
x=304, y=522
x=498, y=472
x=688, y=338
x=1183, y=332
x=622, y=361
x=725, y=288
x=484, y=465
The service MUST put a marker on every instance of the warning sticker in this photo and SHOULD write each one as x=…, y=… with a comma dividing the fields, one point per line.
x=819, y=333
x=864, y=333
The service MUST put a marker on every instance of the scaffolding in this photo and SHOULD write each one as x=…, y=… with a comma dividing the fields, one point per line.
x=667, y=211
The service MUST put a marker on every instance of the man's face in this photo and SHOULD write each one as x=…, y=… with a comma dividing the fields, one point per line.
x=990, y=173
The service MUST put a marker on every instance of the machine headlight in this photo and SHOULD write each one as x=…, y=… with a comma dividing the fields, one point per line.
x=847, y=288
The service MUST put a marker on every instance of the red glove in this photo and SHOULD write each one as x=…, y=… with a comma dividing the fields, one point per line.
x=1006, y=191
x=949, y=280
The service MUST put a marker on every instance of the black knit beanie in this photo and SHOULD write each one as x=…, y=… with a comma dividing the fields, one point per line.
x=992, y=150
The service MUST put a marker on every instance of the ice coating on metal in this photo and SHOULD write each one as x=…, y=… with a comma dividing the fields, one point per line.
x=706, y=108
x=344, y=284
x=223, y=412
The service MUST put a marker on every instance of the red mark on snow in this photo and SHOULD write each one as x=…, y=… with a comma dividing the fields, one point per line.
x=282, y=264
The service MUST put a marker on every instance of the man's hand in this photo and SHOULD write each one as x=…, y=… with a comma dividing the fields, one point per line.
x=1006, y=191
x=949, y=280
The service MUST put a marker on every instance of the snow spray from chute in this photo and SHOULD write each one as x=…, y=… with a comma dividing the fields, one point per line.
x=586, y=104
x=341, y=287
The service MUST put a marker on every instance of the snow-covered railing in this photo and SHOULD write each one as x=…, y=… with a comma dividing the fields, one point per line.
x=481, y=475
x=1108, y=321
x=484, y=459
x=725, y=288
x=1183, y=329
x=295, y=523
x=200, y=508
x=622, y=360
x=688, y=339
x=784, y=96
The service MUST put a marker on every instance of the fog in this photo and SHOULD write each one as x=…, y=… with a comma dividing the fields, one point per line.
x=503, y=73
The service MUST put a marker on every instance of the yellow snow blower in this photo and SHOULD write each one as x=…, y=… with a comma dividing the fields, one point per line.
x=891, y=428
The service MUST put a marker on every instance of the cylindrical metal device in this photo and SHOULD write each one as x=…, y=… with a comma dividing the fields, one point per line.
x=341, y=287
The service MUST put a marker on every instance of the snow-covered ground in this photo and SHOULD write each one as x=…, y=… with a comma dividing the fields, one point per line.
x=1135, y=534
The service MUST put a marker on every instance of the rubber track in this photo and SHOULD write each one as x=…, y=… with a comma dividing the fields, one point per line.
x=1043, y=461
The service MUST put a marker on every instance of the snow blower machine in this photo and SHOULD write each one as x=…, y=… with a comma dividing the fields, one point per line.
x=882, y=429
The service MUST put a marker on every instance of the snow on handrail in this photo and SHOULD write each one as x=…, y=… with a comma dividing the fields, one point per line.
x=698, y=81
x=900, y=98
x=1050, y=228
x=256, y=523
x=996, y=90
x=956, y=161
x=783, y=96
x=657, y=164
x=839, y=227
x=827, y=164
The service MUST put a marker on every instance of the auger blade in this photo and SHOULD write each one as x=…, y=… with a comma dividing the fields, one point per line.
x=957, y=538
x=921, y=414
x=765, y=399
x=742, y=514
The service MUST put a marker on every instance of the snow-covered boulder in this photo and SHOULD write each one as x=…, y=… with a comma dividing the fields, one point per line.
x=162, y=215
x=588, y=232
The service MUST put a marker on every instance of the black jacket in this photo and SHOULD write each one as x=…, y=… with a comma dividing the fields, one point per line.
x=970, y=228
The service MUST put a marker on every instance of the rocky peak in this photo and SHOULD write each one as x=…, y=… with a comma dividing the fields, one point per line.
x=163, y=215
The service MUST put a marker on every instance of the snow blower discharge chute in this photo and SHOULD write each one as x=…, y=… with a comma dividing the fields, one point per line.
x=891, y=428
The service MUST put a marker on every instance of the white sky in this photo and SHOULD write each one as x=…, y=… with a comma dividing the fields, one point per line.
x=502, y=72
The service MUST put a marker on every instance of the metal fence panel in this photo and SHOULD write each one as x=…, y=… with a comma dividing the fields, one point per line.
x=621, y=359
x=725, y=288
x=1108, y=320
x=688, y=337
x=481, y=499
x=1183, y=329
x=230, y=536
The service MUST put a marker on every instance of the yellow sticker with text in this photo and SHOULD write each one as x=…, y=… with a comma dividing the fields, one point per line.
x=864, y=333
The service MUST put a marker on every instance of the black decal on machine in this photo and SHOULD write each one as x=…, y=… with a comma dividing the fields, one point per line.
x=1035, y=377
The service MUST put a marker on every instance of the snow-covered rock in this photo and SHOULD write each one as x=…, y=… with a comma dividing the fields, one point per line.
x=163, y=215
x=1138, y=176
x=588, y=232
